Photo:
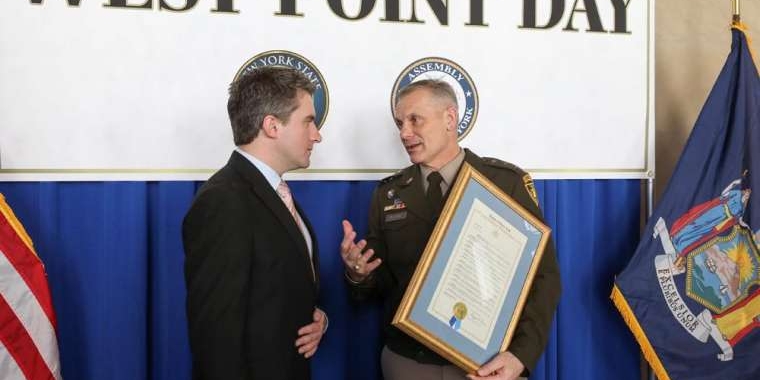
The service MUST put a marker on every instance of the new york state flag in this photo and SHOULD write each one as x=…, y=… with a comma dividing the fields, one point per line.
x=691, y=292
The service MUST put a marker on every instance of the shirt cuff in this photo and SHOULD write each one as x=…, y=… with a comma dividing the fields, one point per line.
x=354, y=282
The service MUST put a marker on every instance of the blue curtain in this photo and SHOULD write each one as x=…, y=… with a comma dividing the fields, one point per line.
x=114, y=259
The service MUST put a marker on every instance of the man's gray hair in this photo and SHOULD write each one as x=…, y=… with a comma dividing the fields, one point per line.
x=437, y=87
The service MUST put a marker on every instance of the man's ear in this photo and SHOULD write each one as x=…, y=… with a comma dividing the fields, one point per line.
x=269, y=126
x=451, y=118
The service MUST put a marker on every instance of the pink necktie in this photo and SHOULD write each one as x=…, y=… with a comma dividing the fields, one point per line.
x=284, y=192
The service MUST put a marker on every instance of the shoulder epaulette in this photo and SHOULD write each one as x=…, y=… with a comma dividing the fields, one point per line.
x=527, y=180
x=391, y=177
x=495, y=162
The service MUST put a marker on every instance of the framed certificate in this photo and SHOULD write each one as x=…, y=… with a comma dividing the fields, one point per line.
x=465, y=298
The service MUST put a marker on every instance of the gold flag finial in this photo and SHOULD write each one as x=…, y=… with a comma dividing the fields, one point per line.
x=737, y=11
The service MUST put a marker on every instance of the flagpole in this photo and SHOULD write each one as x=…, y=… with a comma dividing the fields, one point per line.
x=650, y=197
x=737, y=11
x=650, y=210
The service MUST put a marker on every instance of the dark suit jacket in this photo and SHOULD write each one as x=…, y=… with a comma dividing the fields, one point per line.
x=249, y=281
x=399, y=238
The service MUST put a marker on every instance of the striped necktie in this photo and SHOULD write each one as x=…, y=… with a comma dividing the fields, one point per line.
x=284, y=192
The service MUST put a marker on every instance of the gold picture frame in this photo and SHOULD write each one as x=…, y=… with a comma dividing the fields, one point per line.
x=479, y=262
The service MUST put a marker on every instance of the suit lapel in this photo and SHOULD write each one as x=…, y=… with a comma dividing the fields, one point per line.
x=271, y=200
x=314, y=250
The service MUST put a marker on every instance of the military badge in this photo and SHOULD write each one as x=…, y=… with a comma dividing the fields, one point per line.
x=398, y=204
x=528, y=182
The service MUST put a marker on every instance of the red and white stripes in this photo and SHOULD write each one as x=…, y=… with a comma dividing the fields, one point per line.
x=28, y=344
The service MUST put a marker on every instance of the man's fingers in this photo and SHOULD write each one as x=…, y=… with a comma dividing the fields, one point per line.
x=368, y=255
x=308, y=350
x=347, y=243
x=310, y=353
x=372, y=265
x=359, y=247
x=306, y=339
x=348, y=238
x=492, y=366
x=347, y=227
x=354, y=254
x=310, y=335
x=309, y=329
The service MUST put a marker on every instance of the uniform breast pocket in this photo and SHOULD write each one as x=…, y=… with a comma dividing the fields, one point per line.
x=404, y=238
x=395, y=220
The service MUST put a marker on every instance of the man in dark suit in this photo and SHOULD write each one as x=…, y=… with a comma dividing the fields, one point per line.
x=403, y=212
x=251, y=261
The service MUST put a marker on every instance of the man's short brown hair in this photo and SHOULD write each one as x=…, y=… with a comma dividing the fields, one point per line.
x=269, y=90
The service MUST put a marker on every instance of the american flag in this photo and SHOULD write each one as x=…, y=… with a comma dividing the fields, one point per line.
x=28, y=344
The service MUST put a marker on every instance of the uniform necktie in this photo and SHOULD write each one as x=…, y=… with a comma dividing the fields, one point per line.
x=434, y=193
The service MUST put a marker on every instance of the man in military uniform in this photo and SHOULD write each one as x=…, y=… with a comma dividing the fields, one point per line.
x=404, y=209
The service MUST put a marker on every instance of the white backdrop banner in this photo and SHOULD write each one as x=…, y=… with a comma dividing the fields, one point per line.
x=137, y=89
